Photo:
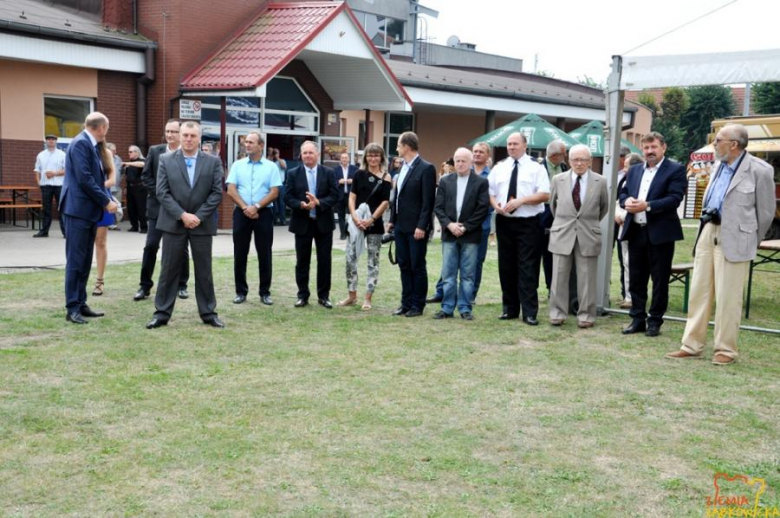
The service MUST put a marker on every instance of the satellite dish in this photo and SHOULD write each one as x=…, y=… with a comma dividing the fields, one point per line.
x=453, y=41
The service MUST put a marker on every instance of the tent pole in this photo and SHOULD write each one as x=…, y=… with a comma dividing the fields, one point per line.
x=614, y=117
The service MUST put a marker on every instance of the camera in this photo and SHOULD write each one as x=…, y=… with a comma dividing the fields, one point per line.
x=388, y=238
x=710, y=215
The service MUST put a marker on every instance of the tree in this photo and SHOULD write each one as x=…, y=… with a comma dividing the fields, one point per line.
x=766, y=98
x=647, y=99
x=707, y=103
x=589, y=81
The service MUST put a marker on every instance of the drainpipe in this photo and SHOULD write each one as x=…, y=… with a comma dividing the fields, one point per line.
x=142, y=84
x=135, y=16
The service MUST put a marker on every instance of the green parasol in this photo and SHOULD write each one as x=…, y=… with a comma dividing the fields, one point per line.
x=537, y=131
x=592, y=135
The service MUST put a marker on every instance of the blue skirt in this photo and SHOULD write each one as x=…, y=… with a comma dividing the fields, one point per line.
x=107, y=220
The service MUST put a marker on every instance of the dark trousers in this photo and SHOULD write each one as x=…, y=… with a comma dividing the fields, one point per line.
x=324, y=244
x=263, y=230
x=341, y=210
x=619, y=246
x=518, y=265
x=173, y=255
x=545, y=255
x=279, y=207
x=136, y=205
x=47, y=193
x=410, y=254
x=79, y=247
x=153, y=239
x=481, y=255
x=648, y=261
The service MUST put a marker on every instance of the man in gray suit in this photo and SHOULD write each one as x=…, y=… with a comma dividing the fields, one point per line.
x=578, y=201
x=189, y=189
x=739, y=205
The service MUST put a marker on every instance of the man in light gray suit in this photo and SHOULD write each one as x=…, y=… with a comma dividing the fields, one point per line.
x=578, y=201
x=189, y=189
x=739, y=205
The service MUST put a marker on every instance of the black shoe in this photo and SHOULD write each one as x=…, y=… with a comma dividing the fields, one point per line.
x=215, y=322
x=440, y=315
x=467, y=316
x=76, y=318
x=266, y=299
x=325, y=303
x=183, y=293
x=636, y=326
x=86, y=311
x=301, y=303
x=132, y=229
x=507, y=316
x=240, y=299
x=414, y=312
x=531, y=321
x=41, y=234
x=141, y=294
x=433, y=300
x=143, y=231
x=653, y=331
x=401, y=311
x=155, y=323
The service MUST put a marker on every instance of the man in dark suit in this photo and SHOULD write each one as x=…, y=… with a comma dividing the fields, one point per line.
x=462, y=204
x=154, y=236
x=651, y=194
x=411, y=219
x=189, y=189
x=345, y=174
x=82, y=203
x=311, y=192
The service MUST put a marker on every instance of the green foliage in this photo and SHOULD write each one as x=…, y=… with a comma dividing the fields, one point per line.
x=674, y=104
x=589, y=81
x=648, y=100
x=766, y=98
x=707, y=103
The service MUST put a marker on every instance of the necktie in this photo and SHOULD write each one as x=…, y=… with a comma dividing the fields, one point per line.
x=312, y=189
x=512, y=185
x=190, y=169
x=575, y=194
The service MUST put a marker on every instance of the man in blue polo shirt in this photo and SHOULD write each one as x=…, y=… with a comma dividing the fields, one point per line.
x=253, y=184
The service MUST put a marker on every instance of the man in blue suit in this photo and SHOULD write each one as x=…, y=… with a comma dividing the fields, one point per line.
x=83, y=200
x=651, y=195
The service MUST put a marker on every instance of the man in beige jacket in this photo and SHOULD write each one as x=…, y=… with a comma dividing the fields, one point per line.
x=739, y=205
x=578, y=201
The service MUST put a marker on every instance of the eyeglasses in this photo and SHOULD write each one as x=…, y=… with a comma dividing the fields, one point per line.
x=580, y=160
x=719, y=140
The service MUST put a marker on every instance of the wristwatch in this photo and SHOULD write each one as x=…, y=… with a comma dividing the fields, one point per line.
x=647, y=209
x=257, y=206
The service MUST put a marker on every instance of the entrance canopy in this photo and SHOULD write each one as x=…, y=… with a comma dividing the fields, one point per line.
x=325, y=36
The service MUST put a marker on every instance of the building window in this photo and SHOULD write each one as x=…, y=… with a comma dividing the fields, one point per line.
x=64, y=116
x=395, y=124
x=382, y=31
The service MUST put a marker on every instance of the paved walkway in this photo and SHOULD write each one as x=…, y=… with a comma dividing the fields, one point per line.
x=18, y=249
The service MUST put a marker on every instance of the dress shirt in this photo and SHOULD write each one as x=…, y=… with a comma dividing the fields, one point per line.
x=583, y=184
x=311, y=178
x=531, y=179
x=460, y=192
x=486, y=224
x=254, y=180
x=402, y=177
x=50, y=161
x=553, y=169
x=644, y=188
x=345, y=174
x=721, y=183
x=191, y=162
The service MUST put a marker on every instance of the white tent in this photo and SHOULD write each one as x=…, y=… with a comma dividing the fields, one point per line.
x=638, y=73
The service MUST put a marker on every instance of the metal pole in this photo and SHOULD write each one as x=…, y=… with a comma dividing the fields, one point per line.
x=746, y=104
x=614, y=116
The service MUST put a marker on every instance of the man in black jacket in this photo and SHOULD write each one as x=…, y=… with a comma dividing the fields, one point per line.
x=411, y=220
x=461, y=205
x=154, y=236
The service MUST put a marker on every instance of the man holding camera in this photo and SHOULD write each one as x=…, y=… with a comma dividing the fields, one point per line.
x=738, y=209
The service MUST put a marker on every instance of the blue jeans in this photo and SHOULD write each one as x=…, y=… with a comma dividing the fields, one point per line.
x=481, y=255
x=458, y=257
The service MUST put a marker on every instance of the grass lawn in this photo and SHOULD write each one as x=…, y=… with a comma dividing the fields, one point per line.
x=309, y=412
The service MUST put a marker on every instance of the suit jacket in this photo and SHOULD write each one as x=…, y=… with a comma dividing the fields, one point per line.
x=177, y=197
x=149, y=179
x=473, y=211
x=339, y=172
x=83, y=194
x=748, y=209
x=569, y=224
x=665, y=194
x=295, y=188
x=415, y=199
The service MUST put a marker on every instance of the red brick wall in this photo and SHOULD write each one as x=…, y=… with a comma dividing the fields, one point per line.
x=17, y=160
x=116, y=99
x=118, y=14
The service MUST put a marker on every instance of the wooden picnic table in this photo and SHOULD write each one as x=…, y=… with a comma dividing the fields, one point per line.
x=19, y=200
x=768, y=252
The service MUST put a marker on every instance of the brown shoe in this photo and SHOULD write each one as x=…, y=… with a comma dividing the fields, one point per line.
x=556, y=322
x=584, y=325
x=625, y=304
x=681, y=355
x=722, y=359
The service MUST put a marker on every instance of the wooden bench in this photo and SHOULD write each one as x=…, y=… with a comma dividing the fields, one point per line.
x=33, y=210
x=682, y=273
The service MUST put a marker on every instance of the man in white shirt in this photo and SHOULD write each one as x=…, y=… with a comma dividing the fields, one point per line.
x=518, y=188
x=49, y=172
